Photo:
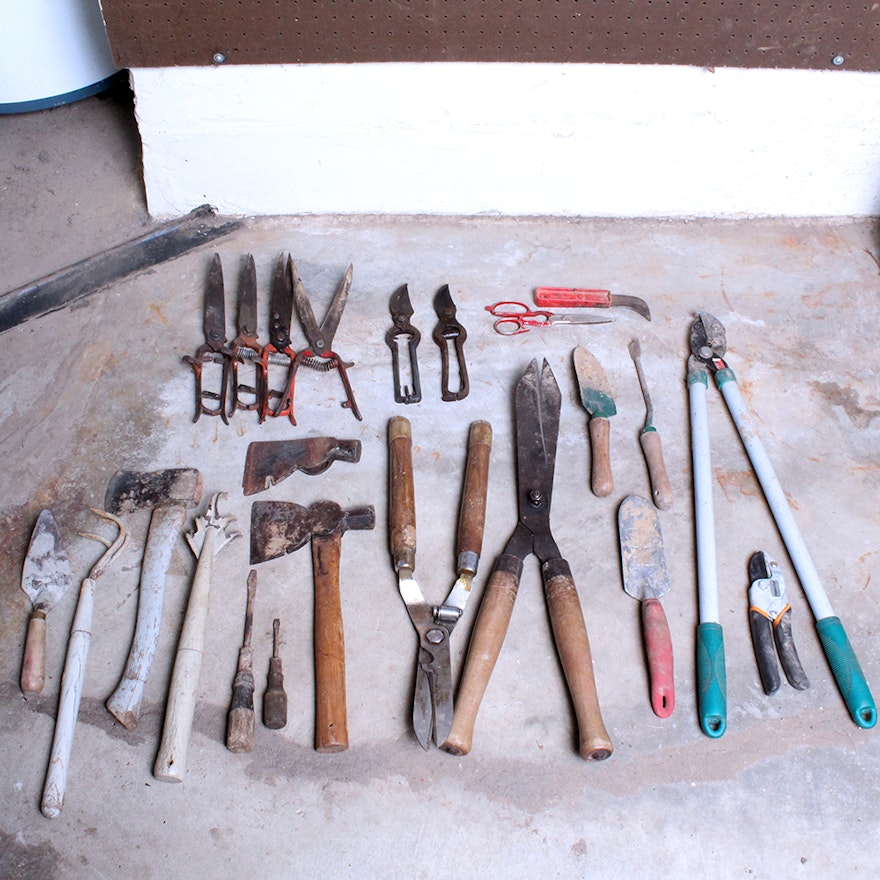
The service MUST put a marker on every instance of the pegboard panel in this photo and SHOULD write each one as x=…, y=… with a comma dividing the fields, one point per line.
x=709, y=33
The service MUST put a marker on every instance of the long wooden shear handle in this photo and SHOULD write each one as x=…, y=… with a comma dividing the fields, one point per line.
x=573, y=645
x=402, y=505
x=472, y=514
x=490, y=628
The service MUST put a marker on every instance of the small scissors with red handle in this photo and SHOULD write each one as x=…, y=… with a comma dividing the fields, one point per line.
x=516, y=317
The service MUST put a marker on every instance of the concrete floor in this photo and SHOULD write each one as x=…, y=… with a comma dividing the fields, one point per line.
x=789, y=791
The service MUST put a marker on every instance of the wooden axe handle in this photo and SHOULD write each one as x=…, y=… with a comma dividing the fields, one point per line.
x=166, y=525
x=331, y=723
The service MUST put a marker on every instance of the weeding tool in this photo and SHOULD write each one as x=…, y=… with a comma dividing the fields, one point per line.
x=538, y=403
x=404, y=334
x=73, y=678
x=598, y=401
x=709, y=345
x=45, y=578
x=433, y=704
x=770, y=625
x=207, y=539
x=645, y=578
x=569, y=297
x=649, y=438
x=449, y=331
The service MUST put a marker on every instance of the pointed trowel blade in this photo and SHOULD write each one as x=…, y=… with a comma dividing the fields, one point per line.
x=46, y=574
x=641, y=549
x=595, y=389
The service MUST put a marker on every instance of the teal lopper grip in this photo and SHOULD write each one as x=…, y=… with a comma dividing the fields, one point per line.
x=711, y=679
x=847, y=672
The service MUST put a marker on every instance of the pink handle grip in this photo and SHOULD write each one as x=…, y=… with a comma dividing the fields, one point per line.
x=658, y=643
x=572, y=297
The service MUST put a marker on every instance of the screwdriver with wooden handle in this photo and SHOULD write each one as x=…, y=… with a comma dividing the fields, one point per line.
x=275, y=697
x=240, y=721
x=661, y=490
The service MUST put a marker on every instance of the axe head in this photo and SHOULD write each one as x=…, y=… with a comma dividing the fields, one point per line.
x=129, y=491
x=282, y=527
x=270, y=462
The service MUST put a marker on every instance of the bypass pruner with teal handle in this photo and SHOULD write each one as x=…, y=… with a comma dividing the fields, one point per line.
x=708, y=342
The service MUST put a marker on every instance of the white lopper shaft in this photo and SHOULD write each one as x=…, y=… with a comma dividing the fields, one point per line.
x=777, y=502
x=707, y=570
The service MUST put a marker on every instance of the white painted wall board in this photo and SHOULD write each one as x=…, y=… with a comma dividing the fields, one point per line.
x=568, y=140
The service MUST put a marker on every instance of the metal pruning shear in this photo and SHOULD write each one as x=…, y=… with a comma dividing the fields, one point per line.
x=280, y=316
x=433, y=704
x=213, y=350
x=516, y=317
x=770, y=624
x=538, y=403
x=450, y=331
x=708, y=342
x=403, y=333
x=319, y=354
x=245, y=346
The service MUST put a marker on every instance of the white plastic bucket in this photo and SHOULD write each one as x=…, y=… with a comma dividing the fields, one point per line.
x=51, y=52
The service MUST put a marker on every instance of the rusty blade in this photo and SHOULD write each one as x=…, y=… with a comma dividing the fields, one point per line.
x=596, y=394
x=641, y=549
x=46, y=574
x=270, y=462
x=278, y=528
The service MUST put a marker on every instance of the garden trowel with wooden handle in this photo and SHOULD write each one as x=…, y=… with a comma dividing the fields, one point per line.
x=645, y=578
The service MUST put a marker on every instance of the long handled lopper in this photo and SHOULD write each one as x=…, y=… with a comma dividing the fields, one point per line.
x=708, y=347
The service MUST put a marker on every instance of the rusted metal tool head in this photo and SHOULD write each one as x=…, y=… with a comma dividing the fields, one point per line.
x=270, y=462
x=282, y=527
x=145, y=490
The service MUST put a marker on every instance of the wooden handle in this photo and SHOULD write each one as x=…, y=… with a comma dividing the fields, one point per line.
x=402, y=504
x=472, y=515
x=165, y=528
x=331, y=723
x=72, y=680
x=33, y=665
x=573, y=645
x=490, y=628
x=170, y=763
x=661, y=489
x=568, y=297
x=658, y=644
x=600, y=441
